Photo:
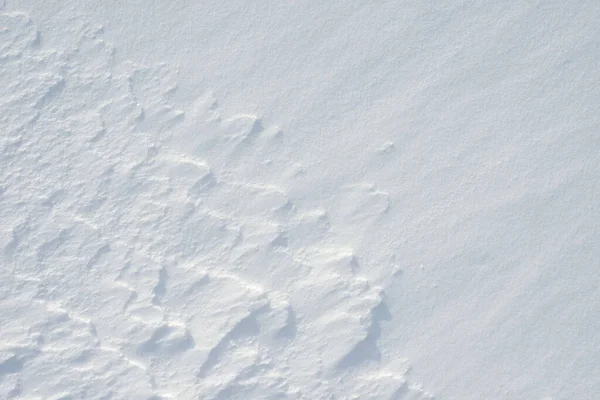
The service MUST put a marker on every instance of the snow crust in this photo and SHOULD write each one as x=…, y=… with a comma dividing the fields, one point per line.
x=423, y=220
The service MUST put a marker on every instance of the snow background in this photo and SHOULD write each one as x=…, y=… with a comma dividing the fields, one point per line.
x=312, y=200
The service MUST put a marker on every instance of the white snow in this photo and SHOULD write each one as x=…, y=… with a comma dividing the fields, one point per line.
x=299, y=200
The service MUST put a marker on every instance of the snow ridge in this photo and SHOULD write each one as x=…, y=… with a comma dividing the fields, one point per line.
x=155, y=253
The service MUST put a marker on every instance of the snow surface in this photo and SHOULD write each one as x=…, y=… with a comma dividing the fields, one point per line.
x=390, y=200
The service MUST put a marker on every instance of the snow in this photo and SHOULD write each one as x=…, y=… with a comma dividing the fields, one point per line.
x=335, y=200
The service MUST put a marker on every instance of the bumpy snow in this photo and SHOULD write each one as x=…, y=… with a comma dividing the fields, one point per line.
x=151, y=253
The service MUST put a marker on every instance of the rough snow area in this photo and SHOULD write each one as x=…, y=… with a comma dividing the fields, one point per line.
x=408, y=207
x=152, y=252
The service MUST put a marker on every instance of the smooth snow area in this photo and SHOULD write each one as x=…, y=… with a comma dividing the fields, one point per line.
x=300, y=200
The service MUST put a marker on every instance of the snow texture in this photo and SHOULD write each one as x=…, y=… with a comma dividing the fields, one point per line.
x=408, y=207
x=141, y=262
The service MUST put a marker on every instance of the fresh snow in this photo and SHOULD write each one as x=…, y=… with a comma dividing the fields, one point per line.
x=316, y=200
